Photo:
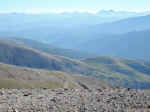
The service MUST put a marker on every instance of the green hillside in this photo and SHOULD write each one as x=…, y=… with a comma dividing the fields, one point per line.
x=124, y=72
x=21, y=77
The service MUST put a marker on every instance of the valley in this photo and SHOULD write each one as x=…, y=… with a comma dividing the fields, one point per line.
x=75, y=61
x=127, y=73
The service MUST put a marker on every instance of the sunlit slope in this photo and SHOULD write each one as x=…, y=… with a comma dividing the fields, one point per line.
x=125, y=72
x=21, y=77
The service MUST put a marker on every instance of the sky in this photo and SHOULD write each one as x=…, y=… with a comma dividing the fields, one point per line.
x=73, y=5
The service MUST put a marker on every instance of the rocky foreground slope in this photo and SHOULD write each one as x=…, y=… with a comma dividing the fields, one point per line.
x=74, y=100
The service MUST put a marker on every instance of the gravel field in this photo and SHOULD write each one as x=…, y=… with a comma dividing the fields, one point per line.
x=74, y=100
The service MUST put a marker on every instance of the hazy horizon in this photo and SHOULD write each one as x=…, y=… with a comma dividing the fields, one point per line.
x=47, y=6
x=75, y=11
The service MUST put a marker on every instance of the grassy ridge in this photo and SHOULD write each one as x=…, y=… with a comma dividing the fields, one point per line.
x=11, y=83
x=125, y=72
x=21, y=77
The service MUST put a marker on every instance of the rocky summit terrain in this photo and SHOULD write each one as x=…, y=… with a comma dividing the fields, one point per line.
x=74, y=100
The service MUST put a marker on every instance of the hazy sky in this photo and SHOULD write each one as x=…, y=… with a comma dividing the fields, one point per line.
x=72, y=5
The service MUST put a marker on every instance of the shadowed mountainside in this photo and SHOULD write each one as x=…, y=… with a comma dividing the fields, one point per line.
x=28, y=57
x=47, y=48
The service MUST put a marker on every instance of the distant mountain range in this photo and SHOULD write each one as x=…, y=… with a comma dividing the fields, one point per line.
x=108, y=30
x=128, y=38
x=125, y=25
x=51, y=28
x=121, y=14
x=132, y=45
